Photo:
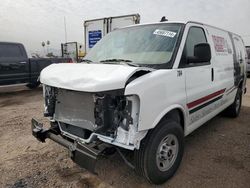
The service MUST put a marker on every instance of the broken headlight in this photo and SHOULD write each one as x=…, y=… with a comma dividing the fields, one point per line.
x=50, y=100
x=111, y=112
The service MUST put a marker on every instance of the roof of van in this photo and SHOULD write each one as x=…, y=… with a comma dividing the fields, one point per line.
x=151, y=23
x=182, y=22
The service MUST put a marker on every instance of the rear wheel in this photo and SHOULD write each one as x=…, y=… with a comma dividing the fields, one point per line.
x=234, y=109
x=33, y=85
x=160, y=152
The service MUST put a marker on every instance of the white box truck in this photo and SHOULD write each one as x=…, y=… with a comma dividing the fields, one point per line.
x=142, y=89
x=95, y=29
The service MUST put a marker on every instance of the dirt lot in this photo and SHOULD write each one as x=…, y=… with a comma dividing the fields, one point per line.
x=216, y=155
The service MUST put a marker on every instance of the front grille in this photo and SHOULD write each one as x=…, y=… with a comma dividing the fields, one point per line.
x=75, y=131
x=75, y=108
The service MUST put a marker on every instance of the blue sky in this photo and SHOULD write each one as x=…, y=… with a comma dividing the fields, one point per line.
x=33, y=21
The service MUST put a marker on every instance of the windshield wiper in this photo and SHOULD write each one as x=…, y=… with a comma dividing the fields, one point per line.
x=86, y=60
x=120, y=61
x=116, y=60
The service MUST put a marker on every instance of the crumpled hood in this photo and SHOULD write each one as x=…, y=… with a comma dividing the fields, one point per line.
x=88, y=77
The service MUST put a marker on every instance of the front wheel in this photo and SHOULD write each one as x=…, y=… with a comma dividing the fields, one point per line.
x=161, y=152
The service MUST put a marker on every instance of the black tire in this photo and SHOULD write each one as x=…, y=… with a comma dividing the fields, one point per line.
x=234, y=109
x=146, y=159
x=33, y=85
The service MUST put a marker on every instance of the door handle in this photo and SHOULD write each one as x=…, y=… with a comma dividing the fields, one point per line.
x=22, y=62
x=14, y=66
x=212, y=74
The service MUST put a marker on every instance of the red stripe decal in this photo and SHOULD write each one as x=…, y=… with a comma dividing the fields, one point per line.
x=203, y=99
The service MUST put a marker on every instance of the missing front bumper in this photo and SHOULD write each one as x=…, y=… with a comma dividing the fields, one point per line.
x=84, y=155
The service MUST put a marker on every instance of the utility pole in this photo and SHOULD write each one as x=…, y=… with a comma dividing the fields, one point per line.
x=65, y=30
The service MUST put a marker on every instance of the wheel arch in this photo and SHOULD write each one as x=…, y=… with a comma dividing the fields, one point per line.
x=240, y=84
x=175, y=112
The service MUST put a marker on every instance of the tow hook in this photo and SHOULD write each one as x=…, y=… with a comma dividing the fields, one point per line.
x=38, y=131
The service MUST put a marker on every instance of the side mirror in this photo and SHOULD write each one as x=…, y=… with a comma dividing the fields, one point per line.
x=202, y=53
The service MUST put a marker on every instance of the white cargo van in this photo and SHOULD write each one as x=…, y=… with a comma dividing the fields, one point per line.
x=143, y=89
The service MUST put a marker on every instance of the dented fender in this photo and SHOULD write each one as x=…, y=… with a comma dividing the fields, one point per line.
x=153, y=90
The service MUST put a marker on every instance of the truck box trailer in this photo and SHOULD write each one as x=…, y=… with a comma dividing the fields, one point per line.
x=95, y=29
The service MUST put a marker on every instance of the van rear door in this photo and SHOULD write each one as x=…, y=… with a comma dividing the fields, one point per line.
x=14, y=64
x=239, y=59
x=94, y=30
x=122, y=21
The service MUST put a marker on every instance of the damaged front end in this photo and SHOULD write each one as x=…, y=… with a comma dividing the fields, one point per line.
x=91, y=121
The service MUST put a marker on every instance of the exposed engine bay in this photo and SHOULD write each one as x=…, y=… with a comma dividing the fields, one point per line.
x=109, y=116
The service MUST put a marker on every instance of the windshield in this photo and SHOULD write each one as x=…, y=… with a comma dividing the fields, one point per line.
x=142, y=45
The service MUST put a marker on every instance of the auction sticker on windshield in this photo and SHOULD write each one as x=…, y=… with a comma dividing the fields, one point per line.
x=164, y=33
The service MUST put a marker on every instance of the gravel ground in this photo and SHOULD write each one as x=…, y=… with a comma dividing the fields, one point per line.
x=216, y=155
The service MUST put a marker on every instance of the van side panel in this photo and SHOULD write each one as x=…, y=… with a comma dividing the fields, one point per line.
x=225, y=77
x=222, y=50
x=228, y=71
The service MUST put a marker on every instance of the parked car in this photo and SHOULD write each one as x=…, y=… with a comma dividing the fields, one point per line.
x=248, y=60
x=142, y=89
x=17, y=68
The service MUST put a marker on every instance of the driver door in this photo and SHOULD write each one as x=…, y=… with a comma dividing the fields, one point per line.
x=199, y=78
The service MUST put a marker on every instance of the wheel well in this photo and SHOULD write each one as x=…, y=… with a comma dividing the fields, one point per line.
x=177, y=115
x=241, y=84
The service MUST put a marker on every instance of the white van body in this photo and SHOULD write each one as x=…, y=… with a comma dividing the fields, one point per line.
x=198, y=92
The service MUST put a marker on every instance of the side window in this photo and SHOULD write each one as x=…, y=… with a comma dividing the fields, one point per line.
x=248, y=52
x=237, y=48
x=196, y=35
x=10, y=50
